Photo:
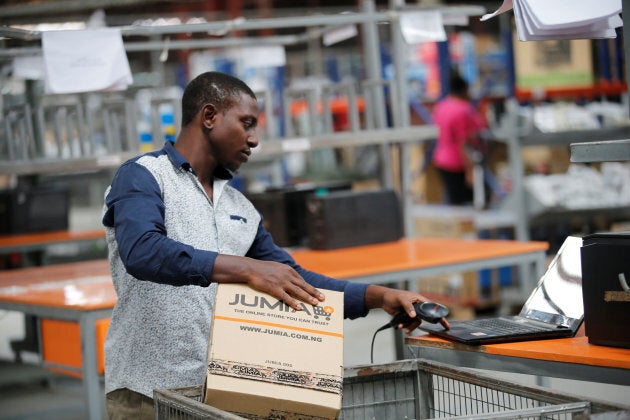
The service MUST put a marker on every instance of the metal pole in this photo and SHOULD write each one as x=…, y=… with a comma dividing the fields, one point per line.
x=402, y=119
x=398, y=58
x=510, y=120
x=157, y=67
x=91, y=384
x=505, y=28
x=373, y=64
x=371, y=51
x=625, y=8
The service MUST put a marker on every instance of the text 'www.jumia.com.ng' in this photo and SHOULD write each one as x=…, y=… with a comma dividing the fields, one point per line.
x=271, y=331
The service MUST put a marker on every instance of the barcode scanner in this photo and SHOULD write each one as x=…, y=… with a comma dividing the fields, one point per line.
x=426, y=311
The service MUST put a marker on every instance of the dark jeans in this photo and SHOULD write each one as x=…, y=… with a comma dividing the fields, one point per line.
x=455, y=187
x=124, y=404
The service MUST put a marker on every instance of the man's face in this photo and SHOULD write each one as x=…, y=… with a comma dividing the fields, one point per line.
x=234, y=133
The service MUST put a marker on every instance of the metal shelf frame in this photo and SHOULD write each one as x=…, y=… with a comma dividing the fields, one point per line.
x=601, y=151
x=518, y=135
x=609, y=149
x=378, y=133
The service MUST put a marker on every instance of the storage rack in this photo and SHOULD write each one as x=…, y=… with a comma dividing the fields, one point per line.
x=605, y=145
x=518, y=135
x=610, y=149
x=21, y=130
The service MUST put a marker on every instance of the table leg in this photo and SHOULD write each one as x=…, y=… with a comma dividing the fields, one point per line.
x=91, y=381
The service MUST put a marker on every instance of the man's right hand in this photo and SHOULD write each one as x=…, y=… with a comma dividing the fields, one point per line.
x=276, y=279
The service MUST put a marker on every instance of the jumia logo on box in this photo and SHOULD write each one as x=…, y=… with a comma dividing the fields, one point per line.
x=263, y=303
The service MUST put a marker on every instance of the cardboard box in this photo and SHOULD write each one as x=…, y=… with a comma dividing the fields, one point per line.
x=267, y=360
x=461, y=286
x=553, y=64
x=622, y=226
x=443, y=228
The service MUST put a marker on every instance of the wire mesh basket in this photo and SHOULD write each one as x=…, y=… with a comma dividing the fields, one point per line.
x=416, y=389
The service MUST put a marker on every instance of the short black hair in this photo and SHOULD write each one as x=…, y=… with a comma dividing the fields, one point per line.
x=458, y=85
x=218, y=89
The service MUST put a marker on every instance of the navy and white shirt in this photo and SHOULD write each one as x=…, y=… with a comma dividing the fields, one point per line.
x=164, y=234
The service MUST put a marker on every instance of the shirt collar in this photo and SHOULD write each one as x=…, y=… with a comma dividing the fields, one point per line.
x=179, y=161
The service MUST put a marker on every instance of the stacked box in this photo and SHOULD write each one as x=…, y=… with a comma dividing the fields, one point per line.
x=445, y=227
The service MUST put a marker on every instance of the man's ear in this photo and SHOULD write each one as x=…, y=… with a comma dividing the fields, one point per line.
x=208, y=116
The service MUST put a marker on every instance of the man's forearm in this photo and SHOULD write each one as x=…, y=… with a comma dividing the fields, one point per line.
x=374, y=296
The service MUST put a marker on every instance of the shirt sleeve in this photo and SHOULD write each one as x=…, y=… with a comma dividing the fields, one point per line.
x=264, y=248
x=135, y=209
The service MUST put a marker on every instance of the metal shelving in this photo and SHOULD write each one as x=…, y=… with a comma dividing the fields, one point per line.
x=519, y=134
x=601, y=151
x=28, y=159
x=608, y=149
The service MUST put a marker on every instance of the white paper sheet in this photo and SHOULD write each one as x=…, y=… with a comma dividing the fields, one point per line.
x=263, y=56
x=507, y=5
x=529, y=31
x=85, y=61
x=422, y=26
x=557, y=14
x=539, y=20
x=339, y=34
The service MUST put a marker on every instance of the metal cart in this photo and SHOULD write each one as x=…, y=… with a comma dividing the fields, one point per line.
x=416, y=389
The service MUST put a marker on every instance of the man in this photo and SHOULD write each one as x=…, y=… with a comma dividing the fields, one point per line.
x=175, y=229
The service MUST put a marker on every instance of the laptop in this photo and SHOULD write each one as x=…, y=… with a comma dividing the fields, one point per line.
x=554, y=309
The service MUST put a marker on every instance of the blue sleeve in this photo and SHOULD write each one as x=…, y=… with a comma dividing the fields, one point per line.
x=264, y=248
x=135, y=209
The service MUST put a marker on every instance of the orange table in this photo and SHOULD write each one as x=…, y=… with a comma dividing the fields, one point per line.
x=33, y=241
x=409, y=259
x=569, y=358
x=79, y=292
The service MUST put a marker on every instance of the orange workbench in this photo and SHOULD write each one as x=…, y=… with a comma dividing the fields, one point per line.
x=87, y=285
x=569, y=358
x=410, y=259
x=76, y=292
x=28, y=247
x=30, y=241
x=419, y=254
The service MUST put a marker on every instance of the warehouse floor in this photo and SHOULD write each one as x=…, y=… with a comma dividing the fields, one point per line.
x=28, y=392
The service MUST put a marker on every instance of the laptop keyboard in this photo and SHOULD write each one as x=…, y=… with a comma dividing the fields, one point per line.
x=503, y=326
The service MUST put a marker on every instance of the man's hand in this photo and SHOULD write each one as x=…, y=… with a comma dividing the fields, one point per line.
x=393, y=301
x=277, y=279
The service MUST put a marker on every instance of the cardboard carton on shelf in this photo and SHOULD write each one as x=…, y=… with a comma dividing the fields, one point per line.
x=267, y=360
x=443, y=221
x=461, y=292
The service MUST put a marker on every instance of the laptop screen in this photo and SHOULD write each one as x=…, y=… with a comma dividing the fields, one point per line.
x=557, y=298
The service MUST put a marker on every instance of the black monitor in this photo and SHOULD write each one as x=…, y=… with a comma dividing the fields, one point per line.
x=284, y=209
x=34, y=209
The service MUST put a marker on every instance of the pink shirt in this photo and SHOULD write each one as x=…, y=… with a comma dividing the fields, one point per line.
x=457, y=122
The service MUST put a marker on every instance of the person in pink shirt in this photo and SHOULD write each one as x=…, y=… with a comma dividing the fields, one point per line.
x=459, y=125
